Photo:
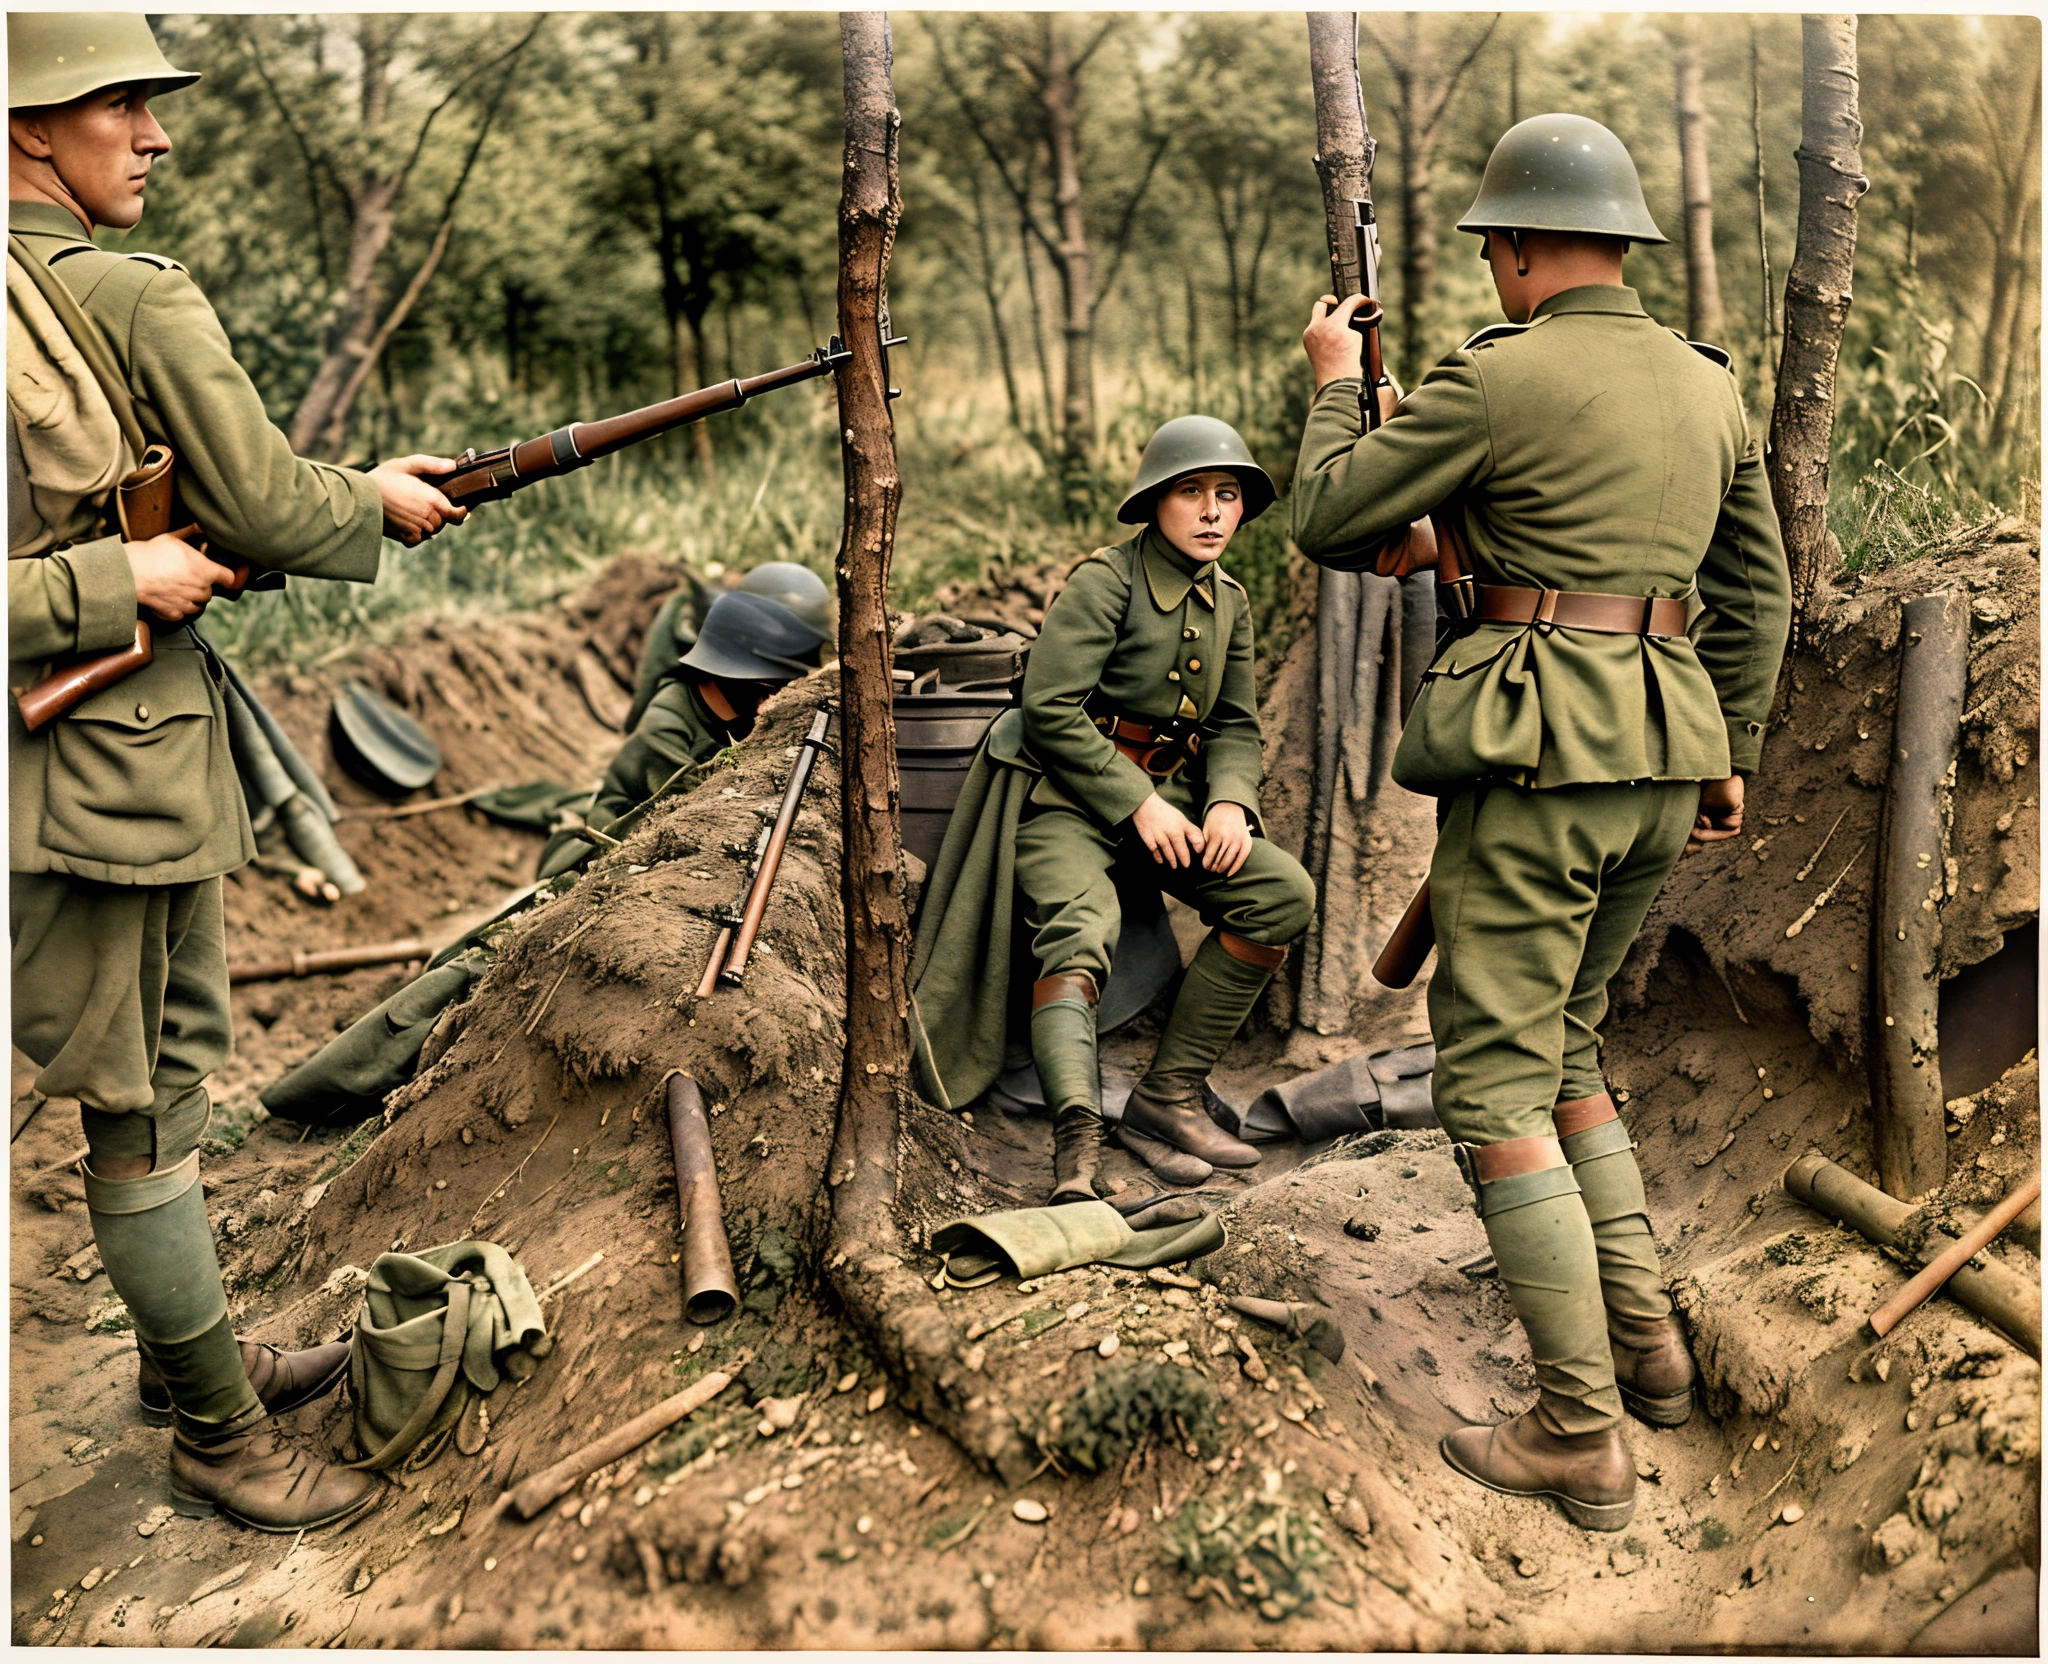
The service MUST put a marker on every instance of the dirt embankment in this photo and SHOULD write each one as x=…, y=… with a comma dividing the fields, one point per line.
x=1206, y=1483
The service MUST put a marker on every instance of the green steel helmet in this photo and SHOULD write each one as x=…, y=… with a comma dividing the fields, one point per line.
x=749, y=638
x=1195, y=445
x=797, y=588
x=1562, y=173
x=378, y=744
x=54, y=57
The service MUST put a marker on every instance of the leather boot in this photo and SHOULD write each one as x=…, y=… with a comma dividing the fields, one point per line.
x=258, y=1480
x=283, y=1380
x=1591, y=1476
x=1172, y=1109
x=1077, y=1150
x=1653, y=1368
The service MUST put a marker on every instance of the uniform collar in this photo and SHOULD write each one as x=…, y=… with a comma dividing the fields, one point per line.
x=1171, y=575
x=1592, y=297
x=44, y=219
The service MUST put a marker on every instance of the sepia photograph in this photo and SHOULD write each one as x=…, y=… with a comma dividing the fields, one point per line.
x=1034, y=830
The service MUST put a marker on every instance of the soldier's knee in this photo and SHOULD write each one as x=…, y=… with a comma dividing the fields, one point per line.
x=1290, y=908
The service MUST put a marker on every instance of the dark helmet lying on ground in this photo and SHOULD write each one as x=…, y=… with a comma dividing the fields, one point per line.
x=1562, y=173
x=1195, y=445
x=54, y=57
x=748, y=638
x=797, y=588
x=378, y=744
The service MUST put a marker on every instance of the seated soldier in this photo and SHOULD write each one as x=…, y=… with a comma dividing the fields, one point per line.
x=749, y=646
x=1139, y=731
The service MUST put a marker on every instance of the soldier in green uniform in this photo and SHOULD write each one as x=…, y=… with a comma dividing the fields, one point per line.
x=750, y=645
x=674, y=630
x=1602, y=699
x=1139, y=733
x=124, y=814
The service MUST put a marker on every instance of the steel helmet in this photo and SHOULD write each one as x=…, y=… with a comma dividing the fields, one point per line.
x=1195, y=445
x=749, y=638
x=54, y=57
x=797, y=588
x=1562, y=173
x=378, y=744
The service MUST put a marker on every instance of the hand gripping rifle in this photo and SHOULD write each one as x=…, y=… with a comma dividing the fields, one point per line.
x=740, y=925
x=147, y=500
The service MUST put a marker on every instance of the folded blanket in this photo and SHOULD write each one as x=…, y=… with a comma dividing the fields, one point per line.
x=1355, y=1094
x=1034, y=1242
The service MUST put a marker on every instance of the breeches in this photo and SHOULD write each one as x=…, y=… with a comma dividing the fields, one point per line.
x=1064, y=862
x=1536, y=896
x=120, y=995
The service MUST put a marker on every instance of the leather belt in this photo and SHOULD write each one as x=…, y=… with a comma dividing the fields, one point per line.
x=1581, y=609
x=1161, y=755
x=1512, y=1159
x=1575, y=1115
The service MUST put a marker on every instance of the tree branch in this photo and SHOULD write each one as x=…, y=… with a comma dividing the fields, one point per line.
x=1450, y=86
x=1120, y=239
x=1017, y=191
x=314, y=166
x=455, y=92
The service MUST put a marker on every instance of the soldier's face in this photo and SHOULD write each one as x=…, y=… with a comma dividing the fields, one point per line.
x=1198, y=515
x=100, y=147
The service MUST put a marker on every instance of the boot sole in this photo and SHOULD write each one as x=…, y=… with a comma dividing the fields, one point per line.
x=153, y=1416
x=1588, y=1516
x=1674, y=1410
x=204, y=1508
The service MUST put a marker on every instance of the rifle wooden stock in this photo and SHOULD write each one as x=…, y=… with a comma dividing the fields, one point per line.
x=771, y=858
x=490, y=476
x=1401, y=959
x=328, y=963
x=146, y=503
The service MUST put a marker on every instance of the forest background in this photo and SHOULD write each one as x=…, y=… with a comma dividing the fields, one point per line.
x=428, y=231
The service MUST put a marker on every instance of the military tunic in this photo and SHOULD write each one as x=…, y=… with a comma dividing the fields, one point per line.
x=135, y=789
x=678, y=729
x=1588, y=450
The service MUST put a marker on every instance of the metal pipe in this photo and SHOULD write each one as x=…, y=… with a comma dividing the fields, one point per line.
x=1905, y=918
x=710, y=1289
x=302, y=963
x=1992, y=1291
x=1952, y=1259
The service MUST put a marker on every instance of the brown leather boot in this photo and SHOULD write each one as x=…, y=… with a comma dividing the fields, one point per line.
x=283, y=1380
x=1169, y=1107
x=1077, y=1149
x=1653, y=1368
x=1591, y=1476
x=257, y=1480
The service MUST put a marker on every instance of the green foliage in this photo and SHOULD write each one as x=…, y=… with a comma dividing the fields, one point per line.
x=1103, y=1423
x=1263, y=1548
x=352, y=1147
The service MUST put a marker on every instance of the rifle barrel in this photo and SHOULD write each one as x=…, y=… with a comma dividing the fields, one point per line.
x=771, y=858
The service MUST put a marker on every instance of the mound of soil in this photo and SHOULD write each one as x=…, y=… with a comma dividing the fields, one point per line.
x=1204, y=1482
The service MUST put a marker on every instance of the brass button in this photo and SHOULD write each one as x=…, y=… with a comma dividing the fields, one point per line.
x=1194, y=664
x=141, y=713
x=1173, y=675
x=1190, y=634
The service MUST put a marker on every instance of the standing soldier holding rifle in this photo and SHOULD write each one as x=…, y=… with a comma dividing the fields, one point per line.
x=125, y=812
x=1621, y=600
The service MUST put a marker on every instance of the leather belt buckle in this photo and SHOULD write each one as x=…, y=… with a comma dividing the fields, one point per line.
x=1546, y=611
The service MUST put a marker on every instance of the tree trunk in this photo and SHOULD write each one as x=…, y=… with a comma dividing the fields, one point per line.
x=1702, y=278
x=1767, y=314
x=2019, y=389
x=1343, y=150
x=1059, y=95
x=1817, y=296
x=2013, y=259
x=884, y=1295
x=1052, y=426
x=1418, y=220
x=992, y=293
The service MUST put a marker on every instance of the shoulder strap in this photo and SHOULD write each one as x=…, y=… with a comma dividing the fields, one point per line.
x=87, y=336
x=454, y=1332
x=1500, y=332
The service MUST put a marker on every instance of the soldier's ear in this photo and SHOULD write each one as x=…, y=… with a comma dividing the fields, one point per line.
x=27, y=133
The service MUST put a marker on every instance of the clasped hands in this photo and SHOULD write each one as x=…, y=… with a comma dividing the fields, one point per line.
x=1221, y=842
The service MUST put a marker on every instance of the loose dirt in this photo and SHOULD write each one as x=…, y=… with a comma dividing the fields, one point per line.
x=1210, y=1483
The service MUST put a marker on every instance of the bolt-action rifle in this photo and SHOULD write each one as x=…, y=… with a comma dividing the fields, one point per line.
x=148, y=504
x=740, y=925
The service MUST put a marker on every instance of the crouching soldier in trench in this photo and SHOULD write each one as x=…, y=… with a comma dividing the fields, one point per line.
x=754, y=640
x=1139, y=732
x=124, y=814
x=1603, y=700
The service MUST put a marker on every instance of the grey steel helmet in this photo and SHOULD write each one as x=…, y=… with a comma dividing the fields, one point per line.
x=54, y=57
x=1562, y=173
x=1195, y=445
x=797, y=588
x=749, y=638
x=378, y=744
